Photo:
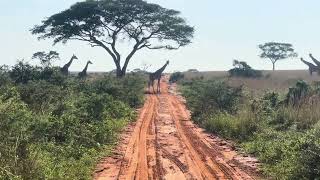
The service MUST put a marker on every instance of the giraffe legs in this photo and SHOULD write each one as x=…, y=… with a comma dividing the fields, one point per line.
x=158, y=86
x=151, y=84
x=153, y=87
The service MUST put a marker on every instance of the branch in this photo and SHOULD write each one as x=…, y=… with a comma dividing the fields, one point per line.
x=150, y=36
x=106, y=42
x=94, y=40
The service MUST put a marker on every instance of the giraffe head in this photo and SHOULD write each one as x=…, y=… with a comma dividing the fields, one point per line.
x=74, y=57
x=167, y=62
x=89, y=62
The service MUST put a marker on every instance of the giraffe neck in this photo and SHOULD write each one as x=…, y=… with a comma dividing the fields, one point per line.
x=69, y=63
x=159, y=71
x=308, y=64
x=86, y=68
x=315, y=60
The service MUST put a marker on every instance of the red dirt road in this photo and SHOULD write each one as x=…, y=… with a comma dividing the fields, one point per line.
x=165, y=144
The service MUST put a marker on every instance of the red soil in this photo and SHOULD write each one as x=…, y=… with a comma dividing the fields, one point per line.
x=165, y=144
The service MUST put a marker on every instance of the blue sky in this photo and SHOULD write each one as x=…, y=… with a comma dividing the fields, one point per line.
x=225, y=30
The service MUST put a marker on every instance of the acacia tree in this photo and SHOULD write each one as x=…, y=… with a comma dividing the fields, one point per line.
x=104, y=23
x=277, y=51
x=46, y=59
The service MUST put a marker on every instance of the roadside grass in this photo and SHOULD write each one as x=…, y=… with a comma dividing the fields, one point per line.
x=280, y=124
x=57, y=127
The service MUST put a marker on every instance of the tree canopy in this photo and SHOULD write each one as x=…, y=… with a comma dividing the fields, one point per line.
x=104, y=23
x=46, y=59
x=242, y=69
x=277, y=51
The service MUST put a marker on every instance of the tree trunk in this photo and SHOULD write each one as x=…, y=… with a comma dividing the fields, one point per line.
x=128, y=58
x=273, y=66
x=120, y=73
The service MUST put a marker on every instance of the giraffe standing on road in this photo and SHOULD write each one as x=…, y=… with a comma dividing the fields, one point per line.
x=156, y=76
x=65, y=69
x=83, y=73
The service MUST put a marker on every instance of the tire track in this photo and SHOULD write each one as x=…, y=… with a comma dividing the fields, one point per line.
x=214, y=158
x=166, y=145
x=135, y=158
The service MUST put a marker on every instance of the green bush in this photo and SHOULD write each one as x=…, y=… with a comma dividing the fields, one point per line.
x=240, y=127
x=288, y=154
x=175, y=77
x=23, y=72
x=278, y=151
x=4, y=75
x=16, y=161
x=283, y=131
x=41, y=96
x=57, y=127
x=206, y=97
x=242, y=69
x=129, y=89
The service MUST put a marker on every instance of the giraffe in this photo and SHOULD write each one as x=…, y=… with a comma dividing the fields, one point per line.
x=312, y=67
x=65, y=69
x=156, y=76
x=83, y=73
x=315, y=60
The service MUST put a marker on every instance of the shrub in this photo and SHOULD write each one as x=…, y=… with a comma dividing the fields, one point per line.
x=242, y=69
x=205, y=97
x=279, y=151
x=174, y=77
x=57, y=127
x=42, y=96
x=281, y=130
x=4, y=75
x=23, y=72
x=240, y=127
x=309, y=157
x=129, y=89
x=16, y=160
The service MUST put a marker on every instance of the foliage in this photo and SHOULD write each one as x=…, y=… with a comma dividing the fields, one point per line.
x=205, y=97
x=4, y=75
x=128, y=89
x=23, y=72
x=298, y=93
x=275, y=51
x=242, y=69
x=104, y=22
x=284, y=136
x=240, y=127
x=54, y=130
x=174, y=77
x=46, y=59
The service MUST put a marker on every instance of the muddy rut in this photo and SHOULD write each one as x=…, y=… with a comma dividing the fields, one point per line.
x=165, y=144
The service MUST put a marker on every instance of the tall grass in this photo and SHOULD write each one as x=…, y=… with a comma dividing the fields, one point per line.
x=282, y=130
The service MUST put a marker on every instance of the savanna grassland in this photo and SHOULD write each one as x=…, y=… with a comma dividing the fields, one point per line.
x=275, y=117
x=279, y=80
x=58, y=127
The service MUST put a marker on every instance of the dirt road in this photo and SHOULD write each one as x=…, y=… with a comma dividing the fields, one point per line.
x=165, y=144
